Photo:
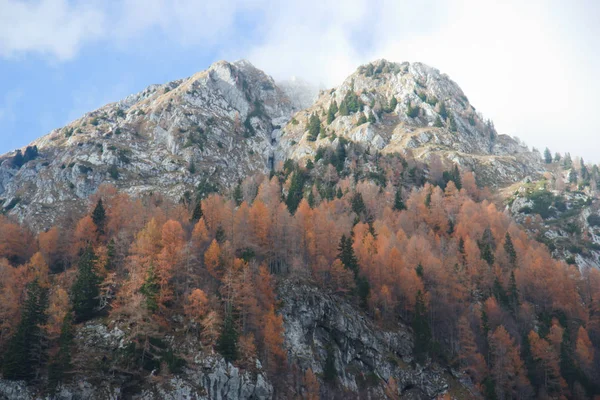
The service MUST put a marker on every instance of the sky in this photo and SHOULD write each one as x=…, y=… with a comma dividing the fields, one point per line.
x=531, y=66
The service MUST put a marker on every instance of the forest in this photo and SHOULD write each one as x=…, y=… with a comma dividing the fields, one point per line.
x=432, y=252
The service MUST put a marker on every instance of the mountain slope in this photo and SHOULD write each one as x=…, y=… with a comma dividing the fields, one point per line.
x=213, y=129
x=443, y=122
x=359, y=261
x=232, y=120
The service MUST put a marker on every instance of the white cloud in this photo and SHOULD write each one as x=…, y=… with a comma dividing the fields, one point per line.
x=526, y=65
x=530, y=66
x=54, y=27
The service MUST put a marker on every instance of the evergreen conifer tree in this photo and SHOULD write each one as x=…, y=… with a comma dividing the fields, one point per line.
x=456, y=177
x=398, y=202
x=314, y=127
x=197, y=213
x=227, y=343
x=371, y=119
x=150, y=290
x=547, y=156
x=509, y=248
x=295, y=193
x=26, y=351
x=333, y=109
x=358, y=204
x=421, y=329
x=61, y=365
x=99, y=217
x=238, y=195
x=85, y=290
x=393, y=104
x=453, y=127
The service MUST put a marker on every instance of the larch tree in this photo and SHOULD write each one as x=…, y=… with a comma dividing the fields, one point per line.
x=274, y=353
x=172, y=239
x=311, y=386
x=507, y=368
x=212, y=260
x=196, y=305
x=470, y=359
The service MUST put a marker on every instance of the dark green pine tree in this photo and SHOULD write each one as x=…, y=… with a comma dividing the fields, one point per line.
x=85, y=290
x=238, y=195
x=453, y=127
x=314, y=127
x=150, y=290
x=339, y=194
x=361, y=120
x=61, y=366
x=557, y=157
x=358, y=204
x=197, y=213
x=343, y=108
x=393, y=104
x=99, y=217
x=513, y=293
x=456, y=177
x=529, y=361
x=487, y=246
x=227, y=344
x=339, y=159
x=568, y=370
x=500, y=294
x=489, y=388
x=421, y=329
x=573, y=176
x=509, y=248
x=333, y=109
x=348, y=258
x=352, y=102
x=443, y=111
x=26, y=350
x=461, y=247
x=311, y=199
x=371, y=118
x=438, y=122
x=485, y=323
x=419, y=270
x=346, y=254
x=547, y=156
x=294, y=196
x=398, y=202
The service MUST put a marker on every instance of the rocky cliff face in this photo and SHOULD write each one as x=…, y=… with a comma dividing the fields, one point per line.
x=318, y=326
x=365, y=358
x=222, y=124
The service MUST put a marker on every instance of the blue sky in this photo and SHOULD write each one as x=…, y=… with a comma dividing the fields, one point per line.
x=530, y=66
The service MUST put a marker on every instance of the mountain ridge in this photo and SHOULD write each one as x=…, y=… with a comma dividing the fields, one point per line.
x=232, y=120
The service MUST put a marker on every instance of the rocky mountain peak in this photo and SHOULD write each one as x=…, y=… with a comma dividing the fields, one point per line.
x=219, y=125
x=391, y=107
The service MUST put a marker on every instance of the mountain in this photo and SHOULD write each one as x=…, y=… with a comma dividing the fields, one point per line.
x=227, y=236
x=214, y=128
x=233, y=120
x=444, y=123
